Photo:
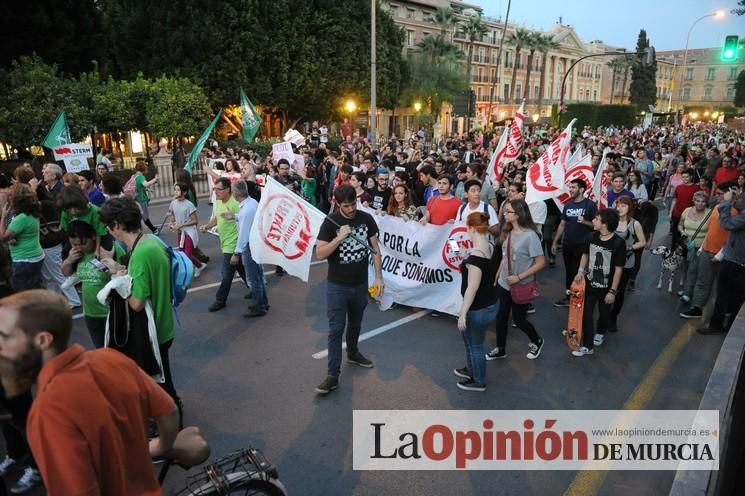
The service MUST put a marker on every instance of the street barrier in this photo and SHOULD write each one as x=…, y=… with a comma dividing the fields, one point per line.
x=725, y=392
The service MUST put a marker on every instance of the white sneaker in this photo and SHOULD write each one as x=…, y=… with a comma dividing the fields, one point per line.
x=582, y=352
x=598, y=340
x=6, y=465
x=198, y=270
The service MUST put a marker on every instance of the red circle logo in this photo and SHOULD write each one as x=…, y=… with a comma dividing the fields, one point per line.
x=285, y=226
x=451, y=258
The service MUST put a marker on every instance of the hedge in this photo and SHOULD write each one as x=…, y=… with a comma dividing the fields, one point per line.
x=594, y=115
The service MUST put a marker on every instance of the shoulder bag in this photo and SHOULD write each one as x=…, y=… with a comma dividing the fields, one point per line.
x=522, y=294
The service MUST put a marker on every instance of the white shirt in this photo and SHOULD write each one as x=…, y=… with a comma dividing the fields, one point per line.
x=245, y=219
x=538, y=211
x=466, y=210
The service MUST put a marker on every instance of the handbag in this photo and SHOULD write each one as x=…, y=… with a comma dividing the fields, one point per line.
x=522, y=294
x=128, y=334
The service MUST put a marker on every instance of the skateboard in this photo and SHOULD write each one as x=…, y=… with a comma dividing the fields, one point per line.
x=573, y=332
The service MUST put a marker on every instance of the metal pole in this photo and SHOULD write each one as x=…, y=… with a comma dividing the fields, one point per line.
x=373, y=89
x=499, y=57
x=685, y=54
x=569, y=70
x=672, y=90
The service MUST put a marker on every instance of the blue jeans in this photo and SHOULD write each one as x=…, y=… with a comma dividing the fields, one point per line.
x=477, y=321
x=26, y=275
x=255, y=280
x=227, y=273
x=345, y=306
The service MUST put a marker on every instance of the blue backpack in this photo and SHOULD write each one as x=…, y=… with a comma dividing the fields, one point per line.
x=182, y=272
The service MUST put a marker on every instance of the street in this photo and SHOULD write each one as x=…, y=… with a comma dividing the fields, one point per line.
x=250, y=382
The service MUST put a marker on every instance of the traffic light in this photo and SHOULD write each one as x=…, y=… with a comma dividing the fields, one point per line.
x=729, y=51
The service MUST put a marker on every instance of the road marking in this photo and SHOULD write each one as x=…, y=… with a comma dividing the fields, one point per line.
x=379, y=330
x=216, y=284
x=588, y=482
x=77, y=316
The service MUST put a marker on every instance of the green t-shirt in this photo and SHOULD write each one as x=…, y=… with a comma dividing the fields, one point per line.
x=93, y=281
x=27, y=245
x=141, y=195
x=150, y=269
x=227, y=228
x=90, y=217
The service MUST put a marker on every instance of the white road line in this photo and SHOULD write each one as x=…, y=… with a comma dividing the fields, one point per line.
x=77, y=316
x=379, y=330
x=216, y=284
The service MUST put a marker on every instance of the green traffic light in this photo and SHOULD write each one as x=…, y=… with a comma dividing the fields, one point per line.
x=729, y=50
x=728, y=54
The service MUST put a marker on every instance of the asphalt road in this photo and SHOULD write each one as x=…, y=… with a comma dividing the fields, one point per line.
x=250, y=382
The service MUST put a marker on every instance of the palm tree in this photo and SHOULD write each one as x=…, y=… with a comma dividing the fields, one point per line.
x=474, y=29
x=446, y=19
x=546, y=44
x=437, y=72
x=624, y=64
x=518, y=40
x=532, y=45
x=615, y=65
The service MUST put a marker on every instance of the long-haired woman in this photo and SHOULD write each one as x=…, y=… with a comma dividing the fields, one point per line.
x=24, y=231
x=479, y=302
x=400, y=203
x=522, y=245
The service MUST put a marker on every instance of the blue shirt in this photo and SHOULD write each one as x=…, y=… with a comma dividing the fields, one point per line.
x=574, y=232
x=95, y=196
x=245, y=219
x=613, y=196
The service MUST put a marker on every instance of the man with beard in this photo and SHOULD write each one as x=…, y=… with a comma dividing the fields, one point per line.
x=87, y=424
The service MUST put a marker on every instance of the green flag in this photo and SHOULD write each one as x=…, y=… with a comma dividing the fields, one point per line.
x=194, y=155
x=251, y=118
x=59, y=133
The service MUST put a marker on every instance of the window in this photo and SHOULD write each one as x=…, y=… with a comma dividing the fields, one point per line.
x=507, y=59
x=426, y=34
x=686, y=93
x=689, y=74
x=478, y=94
x=410, y=37
x=730, y=93
x=594, y=95
x=537, y=92
x=710, y=74
x=493, y=76
x=410, y=13
x=393, y=10
x=518, y=91
x=426, y=15
x=506, y=91
x=732, y=73
x=707, y=93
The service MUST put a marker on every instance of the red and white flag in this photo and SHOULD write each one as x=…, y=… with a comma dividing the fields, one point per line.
x=599, y=191
x=508, y=149
x=546, y=175
x=579, y=166
x=284, y=230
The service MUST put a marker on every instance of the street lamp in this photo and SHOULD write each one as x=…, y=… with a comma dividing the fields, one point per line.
x=716, y=15
x=417, y=107
x=351, y=107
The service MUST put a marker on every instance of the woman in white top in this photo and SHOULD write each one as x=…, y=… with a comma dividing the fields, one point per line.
x=636, y=186
x=694, y=224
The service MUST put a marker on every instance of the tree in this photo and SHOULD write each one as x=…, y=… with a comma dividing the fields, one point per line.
x=739, y=11
x=437, y=72
x=446, y=19
x=545, y=45
x=518, y=40
x=68, y=34
x=740, y=90
x=534, y=42
x=643, y=90
x=475, y=29
x=178, y=108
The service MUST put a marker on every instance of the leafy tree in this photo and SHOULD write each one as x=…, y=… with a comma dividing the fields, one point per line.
x=643, y=90
x=446, y=19
x=178, y=108
x=520, y=39
x=546, y=44
x=437, y=72
x=740, y=90
x=33, y=93
x=739, y=11
x=68, y=34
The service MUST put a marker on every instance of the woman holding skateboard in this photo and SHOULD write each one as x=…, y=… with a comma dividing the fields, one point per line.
x=479, y=308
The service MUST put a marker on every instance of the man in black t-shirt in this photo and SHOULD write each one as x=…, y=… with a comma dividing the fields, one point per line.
x=606, y=254
x=576, y=227
x=345, y=238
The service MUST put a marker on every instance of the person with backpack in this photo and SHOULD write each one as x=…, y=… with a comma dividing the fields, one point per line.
x=472, y=189
x=149, y=266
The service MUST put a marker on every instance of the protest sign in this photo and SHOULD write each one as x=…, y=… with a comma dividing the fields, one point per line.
x=75, y=156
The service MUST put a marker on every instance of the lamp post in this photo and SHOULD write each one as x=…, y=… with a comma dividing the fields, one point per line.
x=417, y=109
x=717, y=15
x=351, y=107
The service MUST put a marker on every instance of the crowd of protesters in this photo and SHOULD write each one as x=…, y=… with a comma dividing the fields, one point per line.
x=72, y=232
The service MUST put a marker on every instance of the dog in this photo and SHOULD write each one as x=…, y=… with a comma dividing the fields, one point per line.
x=671, y=260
